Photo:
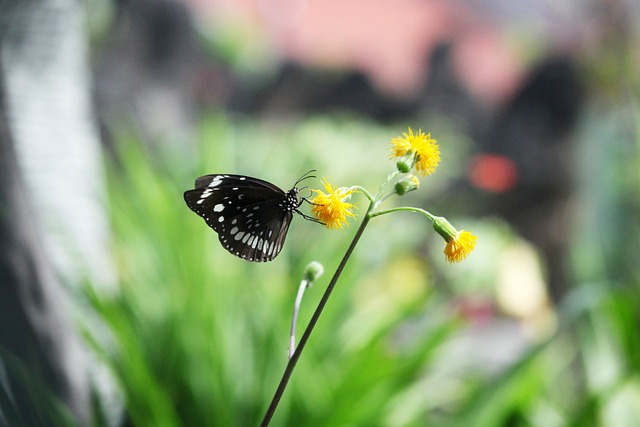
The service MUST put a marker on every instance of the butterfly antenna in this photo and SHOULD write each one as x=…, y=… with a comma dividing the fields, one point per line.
x=307, y=175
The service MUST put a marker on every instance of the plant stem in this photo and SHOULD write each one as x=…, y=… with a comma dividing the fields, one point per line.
x=404, y=208
x=379, y=194
x=296, y=308
x=314, y=319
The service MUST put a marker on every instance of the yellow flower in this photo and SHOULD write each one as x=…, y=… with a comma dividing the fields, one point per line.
x=332, y=209
x=459, y=243
x=420, y=149
x=460, y=246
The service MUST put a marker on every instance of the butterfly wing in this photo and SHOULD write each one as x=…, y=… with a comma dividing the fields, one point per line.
x=250, y=215
x=261, y=241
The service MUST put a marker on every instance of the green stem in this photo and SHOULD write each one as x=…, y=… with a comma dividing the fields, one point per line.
x=314, y=319
x=304, y=284
x=404, y=208
x=378, y=196
x=363, y=191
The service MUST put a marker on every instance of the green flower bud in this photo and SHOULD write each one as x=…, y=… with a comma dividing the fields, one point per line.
x=406, y=162
x=313, y=272
x=407, y=184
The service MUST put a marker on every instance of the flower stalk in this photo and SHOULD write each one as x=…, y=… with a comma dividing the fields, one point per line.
x=312, y=273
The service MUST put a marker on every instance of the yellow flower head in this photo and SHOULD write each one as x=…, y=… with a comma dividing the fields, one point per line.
x=460, y=246
x=332, y=209
x=459, y=243
x=422, y=150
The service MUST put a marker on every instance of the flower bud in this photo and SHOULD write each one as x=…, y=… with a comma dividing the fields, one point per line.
x=313, y=271
x=406, y=162
x=407, y=184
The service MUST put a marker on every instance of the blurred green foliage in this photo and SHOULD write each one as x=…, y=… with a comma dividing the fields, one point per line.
x=199, y=337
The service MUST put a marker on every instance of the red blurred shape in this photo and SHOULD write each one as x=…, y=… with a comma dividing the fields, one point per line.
x=493, y=173
x=475, y=309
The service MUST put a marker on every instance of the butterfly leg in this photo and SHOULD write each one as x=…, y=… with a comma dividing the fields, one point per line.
x=307, y=217
x=304, y=199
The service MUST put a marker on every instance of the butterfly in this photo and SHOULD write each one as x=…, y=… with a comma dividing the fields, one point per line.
x=250, y=215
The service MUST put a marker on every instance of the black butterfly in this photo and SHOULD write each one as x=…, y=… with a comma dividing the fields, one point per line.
x=251, y=216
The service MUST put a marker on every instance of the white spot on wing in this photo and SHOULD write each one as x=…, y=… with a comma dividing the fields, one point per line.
x=239, y=235
x=221, y=219
x=218, y=208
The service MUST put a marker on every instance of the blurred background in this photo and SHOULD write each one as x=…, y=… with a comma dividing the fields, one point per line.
x=118, y=306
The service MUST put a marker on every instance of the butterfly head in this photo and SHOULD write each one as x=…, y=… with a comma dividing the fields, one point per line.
x=293, y=202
